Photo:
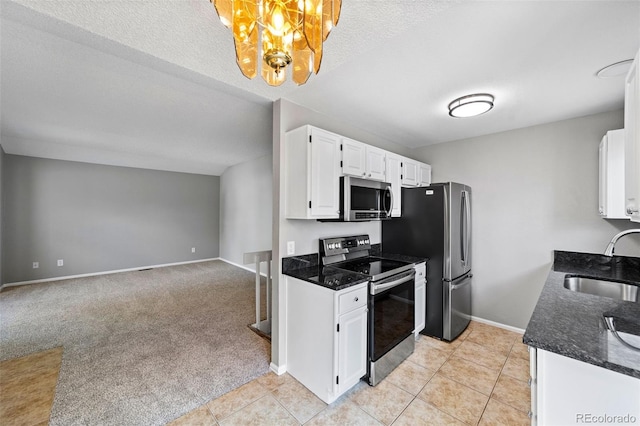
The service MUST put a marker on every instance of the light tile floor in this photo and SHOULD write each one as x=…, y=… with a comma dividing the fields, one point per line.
x=480, y=378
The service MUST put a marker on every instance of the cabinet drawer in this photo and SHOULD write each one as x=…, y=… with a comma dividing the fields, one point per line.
x=352, y=300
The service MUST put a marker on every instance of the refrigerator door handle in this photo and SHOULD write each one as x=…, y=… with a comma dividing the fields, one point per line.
x=463, y=226
x=466, y=281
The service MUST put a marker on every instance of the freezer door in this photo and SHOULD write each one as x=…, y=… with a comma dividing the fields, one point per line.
x=457, y=306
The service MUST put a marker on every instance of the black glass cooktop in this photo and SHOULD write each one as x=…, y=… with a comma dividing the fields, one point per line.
x=374, y=267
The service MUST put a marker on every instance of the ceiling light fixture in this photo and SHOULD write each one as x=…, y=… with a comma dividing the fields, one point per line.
x=288, y=31
x=615, y=70
x=471, y=105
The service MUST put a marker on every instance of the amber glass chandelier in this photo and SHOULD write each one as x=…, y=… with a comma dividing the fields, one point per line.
x=269, y=35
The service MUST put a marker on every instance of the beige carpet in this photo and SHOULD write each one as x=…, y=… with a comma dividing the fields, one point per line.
x=140, y=348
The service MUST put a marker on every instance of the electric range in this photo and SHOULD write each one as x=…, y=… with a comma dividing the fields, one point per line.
x=391, y=301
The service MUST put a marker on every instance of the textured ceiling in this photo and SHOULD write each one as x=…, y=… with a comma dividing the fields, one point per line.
x=154, y=84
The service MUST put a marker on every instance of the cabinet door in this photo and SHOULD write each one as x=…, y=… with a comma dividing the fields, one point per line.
x=632, y=141
x=602, y=175
x=376, y=163
x=324, y=174
x=424, y=174
x=393, y=175
x=409, y=172
x=568, y=391
x=611, y=198
x=353, y=158
x=352, y=348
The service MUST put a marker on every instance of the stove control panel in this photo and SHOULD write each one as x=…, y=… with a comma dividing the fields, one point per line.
x=344, y=245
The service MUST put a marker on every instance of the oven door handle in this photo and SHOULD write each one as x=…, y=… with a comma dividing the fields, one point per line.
x=379, y=288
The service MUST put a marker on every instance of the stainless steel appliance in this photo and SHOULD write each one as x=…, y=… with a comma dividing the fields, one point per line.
x=391, y=301
x=363, y=200
x=436, y=224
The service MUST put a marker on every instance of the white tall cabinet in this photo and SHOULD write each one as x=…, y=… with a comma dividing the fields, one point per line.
x=632, y=140
x=326, y=336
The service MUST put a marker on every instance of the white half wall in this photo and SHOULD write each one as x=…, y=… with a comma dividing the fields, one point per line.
x=246, y=204
x=534, y=190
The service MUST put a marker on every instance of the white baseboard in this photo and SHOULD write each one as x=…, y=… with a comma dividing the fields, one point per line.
x=497, y=324
x=116, y=271
x=264, y=274
x=278, y=369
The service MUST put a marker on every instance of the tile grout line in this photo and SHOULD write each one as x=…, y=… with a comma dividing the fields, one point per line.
x=496, y=383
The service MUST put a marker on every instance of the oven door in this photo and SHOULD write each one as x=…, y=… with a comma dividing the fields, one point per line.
x=391, y=313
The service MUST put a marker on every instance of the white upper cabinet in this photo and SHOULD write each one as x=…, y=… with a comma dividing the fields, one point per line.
x=611, y=201
x=353, y=158
x=424, y=174
x=409, y=172
x=394, y=173
x=632, y=141
x=312, y=171
x=415, y=173
x=376, y=163
x=362, y=160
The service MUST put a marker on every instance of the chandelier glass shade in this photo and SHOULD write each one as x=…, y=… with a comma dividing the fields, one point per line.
x=269, y=35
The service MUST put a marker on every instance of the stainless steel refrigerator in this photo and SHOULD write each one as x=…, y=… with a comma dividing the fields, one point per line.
x=436, y=224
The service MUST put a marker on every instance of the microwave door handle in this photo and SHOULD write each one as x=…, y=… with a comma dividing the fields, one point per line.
x=390, y=191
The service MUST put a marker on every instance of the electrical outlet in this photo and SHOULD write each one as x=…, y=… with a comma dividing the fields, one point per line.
x=291, y=248
x=193, y=249
x=60, y=262
x=36, y=265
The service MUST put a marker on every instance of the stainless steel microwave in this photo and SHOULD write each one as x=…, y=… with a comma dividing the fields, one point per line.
x=364, y=200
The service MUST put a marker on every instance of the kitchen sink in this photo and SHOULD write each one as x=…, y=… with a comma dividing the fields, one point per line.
x=601, y=287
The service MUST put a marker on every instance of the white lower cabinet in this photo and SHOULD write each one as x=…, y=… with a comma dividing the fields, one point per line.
x=326, y=337
x=570, y=392
x=421, y=297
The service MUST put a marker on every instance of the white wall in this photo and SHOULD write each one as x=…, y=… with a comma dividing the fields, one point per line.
x=534, y=190
x=305, y=233
x=246, y=203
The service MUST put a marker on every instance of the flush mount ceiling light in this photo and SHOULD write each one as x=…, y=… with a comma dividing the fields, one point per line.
x=471, y=105
x=615, y=70
x=271, y=34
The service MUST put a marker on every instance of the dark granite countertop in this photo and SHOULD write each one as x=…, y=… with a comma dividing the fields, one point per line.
x=570, y=323
x=326, y=276
x=308, y=268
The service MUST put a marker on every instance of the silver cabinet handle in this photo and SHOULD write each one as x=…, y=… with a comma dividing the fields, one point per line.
x=631, y=210
x=355, y=299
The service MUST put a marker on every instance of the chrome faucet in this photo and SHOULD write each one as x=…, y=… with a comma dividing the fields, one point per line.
x=614, y=240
